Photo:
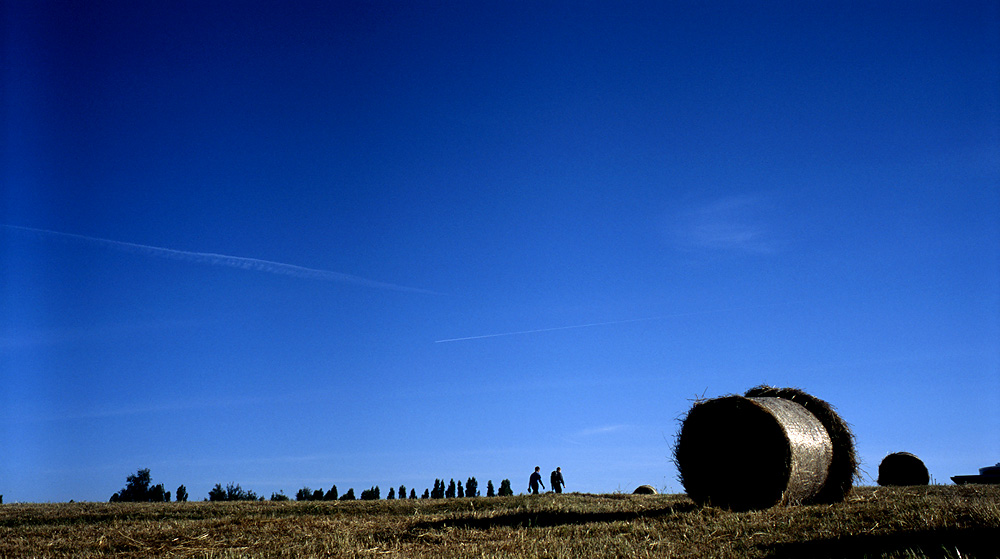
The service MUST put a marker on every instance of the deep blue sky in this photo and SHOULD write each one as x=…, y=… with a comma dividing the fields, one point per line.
x=273, y=243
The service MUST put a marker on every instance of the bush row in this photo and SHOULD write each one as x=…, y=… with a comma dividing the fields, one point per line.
x=139, y=488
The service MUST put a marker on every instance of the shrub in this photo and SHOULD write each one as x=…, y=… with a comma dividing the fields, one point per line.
x=137, y=489
x=370, y=494
x=217, y=493
x=232, y=492
x=304, y=494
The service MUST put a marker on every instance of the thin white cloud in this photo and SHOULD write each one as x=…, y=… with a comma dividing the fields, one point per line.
x=225, y=260
x=553, y=329
x=609, y=323
x=603, y=430
x=731, y=224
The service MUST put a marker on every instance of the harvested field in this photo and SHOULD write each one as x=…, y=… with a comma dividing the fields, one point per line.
x=914, y=522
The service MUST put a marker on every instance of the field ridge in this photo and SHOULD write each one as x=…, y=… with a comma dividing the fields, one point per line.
x=909, y=522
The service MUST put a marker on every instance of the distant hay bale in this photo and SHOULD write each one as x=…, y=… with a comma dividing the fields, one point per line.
x=902, y=468
x=748, y=453
x=645, y=490
x=844, y=464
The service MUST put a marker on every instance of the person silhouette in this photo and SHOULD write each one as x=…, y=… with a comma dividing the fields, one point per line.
x=556, y=480
x=535, y=480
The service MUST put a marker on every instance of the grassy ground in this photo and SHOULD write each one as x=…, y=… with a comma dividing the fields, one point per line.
x=918, y=522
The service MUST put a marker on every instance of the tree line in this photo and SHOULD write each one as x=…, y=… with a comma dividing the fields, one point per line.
x=139, y=488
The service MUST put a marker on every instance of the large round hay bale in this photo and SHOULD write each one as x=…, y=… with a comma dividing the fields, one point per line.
x=645, y=490
x=844, y=464
x=752, y=453
x=902, y=468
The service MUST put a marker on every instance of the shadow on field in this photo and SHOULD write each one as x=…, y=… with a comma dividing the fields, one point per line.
x=544, y=519
x=943, y=543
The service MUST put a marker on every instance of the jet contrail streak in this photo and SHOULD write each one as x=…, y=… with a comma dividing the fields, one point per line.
x=609, y=323
x=589, y=325
x=240, y=262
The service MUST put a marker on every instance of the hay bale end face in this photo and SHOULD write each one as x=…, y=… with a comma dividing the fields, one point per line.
x=844, y=463
x=902, y=468
x=645, y=490
x=751, y=453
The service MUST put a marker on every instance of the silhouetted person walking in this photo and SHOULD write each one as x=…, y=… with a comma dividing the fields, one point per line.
x=535, y=480
x=556, y=480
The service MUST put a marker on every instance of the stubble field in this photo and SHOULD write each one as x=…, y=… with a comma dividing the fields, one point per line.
x=917, y=522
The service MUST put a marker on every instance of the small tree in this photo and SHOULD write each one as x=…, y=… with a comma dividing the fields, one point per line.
x=279, y=496
x=402, y=492
x=158, y=494
x=471, y=487
x=426, y=495
x=331, y=495
x=372, y=494
x=232, y=492
x=138, y=490
x=489, y=489
x=217, y=493
x=236, y=493
x=392, y=494
x=349, y=496
x=450, y=493
x=505, y=490
x=460, y=489
x=304, y=494
x=182, y=494
x=413, y=493
x=438, y=491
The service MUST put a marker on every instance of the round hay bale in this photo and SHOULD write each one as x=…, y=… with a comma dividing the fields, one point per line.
x=844, y=464
x=645, y=490
x=902, y=468
x=752, y=453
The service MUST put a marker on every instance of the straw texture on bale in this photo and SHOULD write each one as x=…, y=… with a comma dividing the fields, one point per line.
x=844, y=464
x=902, y=468
x=645, y=490
x=752, y=453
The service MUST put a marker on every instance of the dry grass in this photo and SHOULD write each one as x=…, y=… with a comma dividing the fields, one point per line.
x=933, y=521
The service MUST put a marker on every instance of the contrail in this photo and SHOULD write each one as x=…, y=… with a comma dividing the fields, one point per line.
x=575, y=326
x=609, y=323
x=243, y=263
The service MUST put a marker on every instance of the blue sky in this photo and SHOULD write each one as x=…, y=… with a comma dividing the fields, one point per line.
x=358, y=243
